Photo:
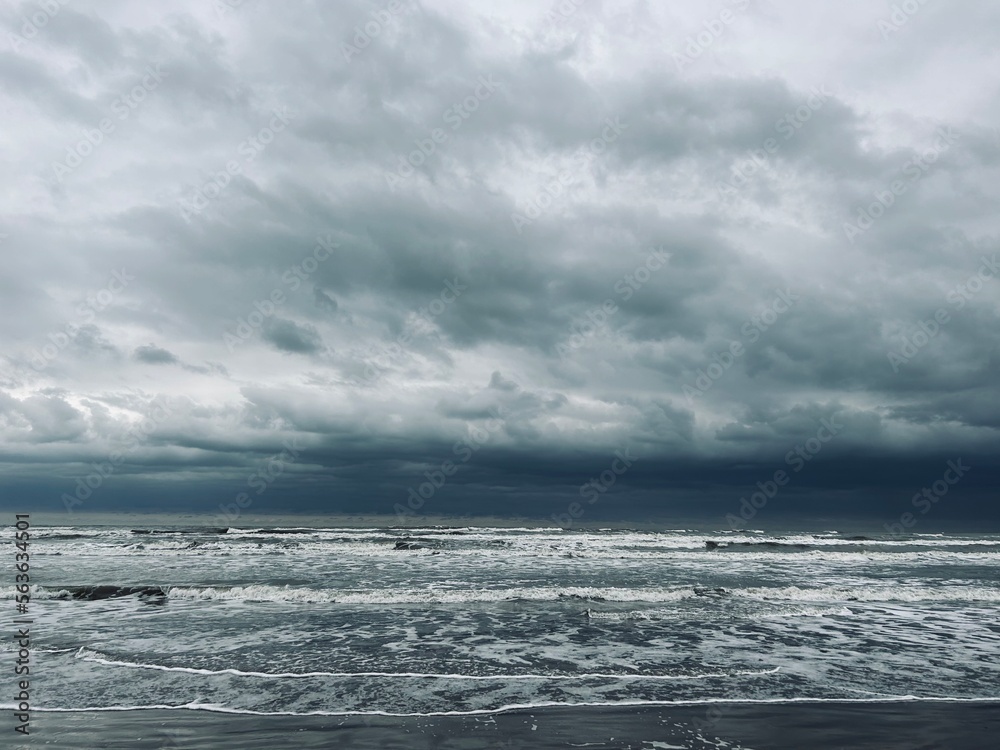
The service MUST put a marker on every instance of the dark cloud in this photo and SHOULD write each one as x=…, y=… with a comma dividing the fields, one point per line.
x=289, y=336
x=324, y=301
x=556, y=234
x=154, y=355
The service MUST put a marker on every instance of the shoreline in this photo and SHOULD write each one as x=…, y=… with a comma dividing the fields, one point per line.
x=787, y=725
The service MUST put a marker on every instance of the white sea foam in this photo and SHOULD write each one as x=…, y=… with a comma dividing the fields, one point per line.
x=874, y=594
x=266, y=593
x=516, y=537
x=525, y=549
x=814, y=611
x=306, y=595
x=94, y=656
x=499, y=600
x=666, y=614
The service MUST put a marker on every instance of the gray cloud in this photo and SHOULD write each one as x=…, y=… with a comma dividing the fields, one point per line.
x=154, y=355
x=289, y=336
x=324, y=301
x=350, y=273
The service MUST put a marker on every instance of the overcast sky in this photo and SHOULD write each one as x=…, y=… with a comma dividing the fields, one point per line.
x=360, y=233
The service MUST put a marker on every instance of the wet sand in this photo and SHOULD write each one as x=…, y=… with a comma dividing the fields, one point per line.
x=817, y=726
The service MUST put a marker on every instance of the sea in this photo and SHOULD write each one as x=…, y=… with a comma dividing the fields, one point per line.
x=363, y=624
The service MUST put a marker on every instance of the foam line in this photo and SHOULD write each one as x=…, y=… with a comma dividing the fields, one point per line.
x=91, y=656
x=306, y=595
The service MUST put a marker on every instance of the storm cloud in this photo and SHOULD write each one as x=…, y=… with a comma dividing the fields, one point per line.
x=514, y=237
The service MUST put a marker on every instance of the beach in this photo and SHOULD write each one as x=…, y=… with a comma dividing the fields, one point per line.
x=830, y=726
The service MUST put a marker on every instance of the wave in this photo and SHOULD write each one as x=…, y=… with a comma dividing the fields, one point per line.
x=808, y=611
x=196, y=530
x=664, y=536
x=855, y=544
x=306, y=595
x=99, y=593
x=712, y=545
x=697, y=552
x=266, y=593
x=97, y=657
x=281, y=532
x=813, y=610
x=536, y=548
x=873, y=594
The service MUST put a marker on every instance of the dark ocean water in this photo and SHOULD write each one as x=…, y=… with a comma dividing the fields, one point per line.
x=423, y=622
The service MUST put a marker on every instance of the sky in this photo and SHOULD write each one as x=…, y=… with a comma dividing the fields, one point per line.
x=596, y=259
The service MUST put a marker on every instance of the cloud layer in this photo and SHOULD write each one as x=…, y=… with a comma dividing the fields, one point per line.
x=383, y=231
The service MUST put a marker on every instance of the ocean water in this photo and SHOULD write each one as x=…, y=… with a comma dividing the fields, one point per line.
x=463, y=620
